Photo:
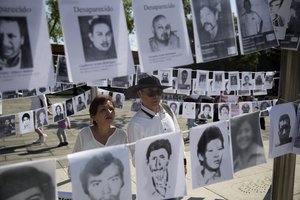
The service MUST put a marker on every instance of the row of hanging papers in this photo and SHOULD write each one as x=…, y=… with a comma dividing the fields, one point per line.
x=217, y=151
x=161, y=35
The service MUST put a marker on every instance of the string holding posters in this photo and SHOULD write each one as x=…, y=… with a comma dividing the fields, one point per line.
x=255, y=26
x=102, y=173
x=213, y=30
x=162, y=35
x=25, y=53
x=95, y=35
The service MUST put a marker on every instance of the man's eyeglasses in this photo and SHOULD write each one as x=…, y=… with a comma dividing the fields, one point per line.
x=153, y=93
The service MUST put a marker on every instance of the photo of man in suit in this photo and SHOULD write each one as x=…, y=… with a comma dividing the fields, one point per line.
x=15, y=51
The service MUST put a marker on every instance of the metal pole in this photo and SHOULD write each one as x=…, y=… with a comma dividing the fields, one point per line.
x=289, y=91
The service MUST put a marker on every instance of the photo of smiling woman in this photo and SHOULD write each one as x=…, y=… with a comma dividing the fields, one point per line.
x=247, y=145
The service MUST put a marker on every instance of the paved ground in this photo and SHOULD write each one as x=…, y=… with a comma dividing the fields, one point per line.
x=252, y=183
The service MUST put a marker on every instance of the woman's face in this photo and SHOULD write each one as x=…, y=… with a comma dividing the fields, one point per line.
x=245, y=135
x=214, y=154
x=105, y=113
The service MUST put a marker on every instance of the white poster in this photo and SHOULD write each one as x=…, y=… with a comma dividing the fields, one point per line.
x=165, y=77
x=246, y=140
x=25, y=53
x=282, y=129
x=102, y=173
x=119, y=99
x=41, y=117
x=292, y=36
x=161, y=34
x=29, y=180
x=61, y=69
x=58, y=112
x=96, y=39
x=211, y=160
x=280, y=15
x=26, y=122
x=218, y=84
x=184, y=80
x=159, y=167
x=202, y=80
x=255, y=26
x=8, y=125
x=234, y=80
x=213, y=30
x=189, y=110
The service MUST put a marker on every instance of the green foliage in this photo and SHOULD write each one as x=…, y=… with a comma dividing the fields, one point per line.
x=54, y=25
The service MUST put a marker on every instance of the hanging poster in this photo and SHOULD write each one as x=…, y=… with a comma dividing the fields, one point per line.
x=255, y=26
x=25, y=53
x=162, y=35
x=213, y=30
x=101, y=49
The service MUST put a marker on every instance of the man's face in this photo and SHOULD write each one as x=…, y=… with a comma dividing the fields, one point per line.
x=149, y=101
x=246, y=78
x=101, y=37
x=184, y=76
x=162, y=30
x=246, y=108
x=213, y=155
x=208, y=19
x=107, y=185
x=284, y=128
x=158, y=162
x=165, y=76
x=10, y=39
x=247, y=5
x=206, y=110
x=274, y=6
x=70, y=106
x=30, y=194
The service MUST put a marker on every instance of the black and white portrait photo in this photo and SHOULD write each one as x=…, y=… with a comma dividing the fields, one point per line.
x=245, y=107
x=70, y=106
x=80, y=103
x=164, y=38
x=224, y=111
x=7, y=126
x=259, y=80
x=234, y=80
x=15, y=51
x=61, y=70
x=97, y=37
x=246, y=139
x=214, y=24
x=269, y=78
x=41, y=117
x=26, y=122
x=247, y=81
x=58, y=111
x=184, y=79
x=264, y=107
x=218, y=83
x=28, y=180
x=158, y=158
x=189, y=110
x=255, y=25
x=165, y=76
x=202, y=77
x=206, y=111
x=210, y=154
x=102, y=173
x=118, y=99
x=174, y=105
x=282, y=129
